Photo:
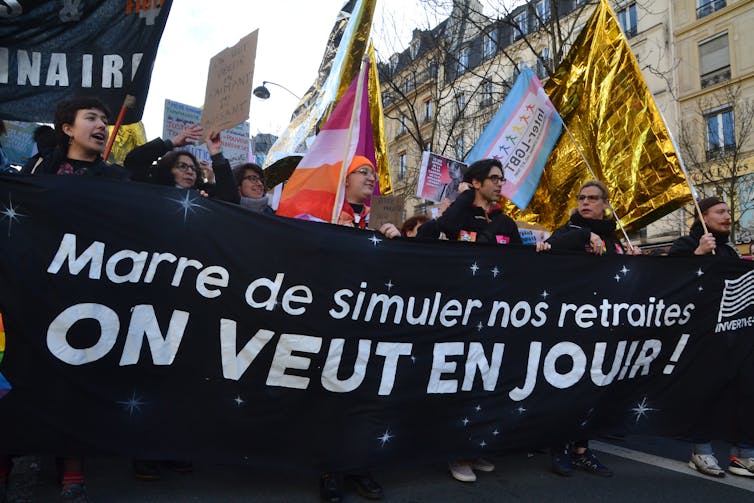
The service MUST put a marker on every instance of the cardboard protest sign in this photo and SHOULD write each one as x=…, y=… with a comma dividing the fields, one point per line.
x=178, y=116
x=385, y=209
x=228, y=93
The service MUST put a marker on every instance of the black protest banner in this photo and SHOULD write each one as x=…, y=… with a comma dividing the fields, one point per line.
x=51, y=51
x=151, y=322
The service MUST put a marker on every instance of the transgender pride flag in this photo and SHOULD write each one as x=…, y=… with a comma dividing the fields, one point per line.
x=315, y=190
x=521, y=136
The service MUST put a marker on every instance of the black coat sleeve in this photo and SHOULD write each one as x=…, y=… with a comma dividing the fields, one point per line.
x=684, y=246
x=225, y=183
x=452, y=220
x=570, y=238
x=501, y=225
x=139, y=161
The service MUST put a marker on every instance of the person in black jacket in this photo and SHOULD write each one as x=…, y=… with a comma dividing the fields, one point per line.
x=81, y=128
x=180, y=168
x=589, y=228
x=475, y=215
x=716, y=216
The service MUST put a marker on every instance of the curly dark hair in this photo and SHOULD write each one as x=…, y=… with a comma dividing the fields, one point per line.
x=65, y=113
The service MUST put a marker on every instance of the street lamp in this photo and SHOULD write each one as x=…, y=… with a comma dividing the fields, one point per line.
x=263, y=93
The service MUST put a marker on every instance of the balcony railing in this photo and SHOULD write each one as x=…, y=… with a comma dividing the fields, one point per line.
x=720, y=151
x=716, y=76
x=709, y=7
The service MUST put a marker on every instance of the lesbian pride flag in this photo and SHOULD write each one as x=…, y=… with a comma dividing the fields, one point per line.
x=315, y=190
x=521, y=136
x=4, y=385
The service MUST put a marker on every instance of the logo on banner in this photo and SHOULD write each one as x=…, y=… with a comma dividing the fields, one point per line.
x=737, y=296
x=147, y=9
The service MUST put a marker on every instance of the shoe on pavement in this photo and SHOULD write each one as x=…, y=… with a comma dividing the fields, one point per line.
x=482, y=465
x=330, y=489
x=706, y=464
x=461, y=471
x=146, y=470
x=74, y=493
x=561, y=462
x=588, y=462
x=738, y=466
x=365, y=485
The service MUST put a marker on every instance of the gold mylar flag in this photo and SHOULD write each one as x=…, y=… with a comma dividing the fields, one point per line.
x=378, y=127
x=129, y=137
x=601, y=95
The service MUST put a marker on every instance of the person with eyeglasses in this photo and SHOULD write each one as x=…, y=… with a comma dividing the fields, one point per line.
x=180, y=168
x=250, y=180
x=589, y=229
x=475, y=215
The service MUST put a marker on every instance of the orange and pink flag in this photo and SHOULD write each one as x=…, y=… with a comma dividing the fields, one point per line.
x=315, y=190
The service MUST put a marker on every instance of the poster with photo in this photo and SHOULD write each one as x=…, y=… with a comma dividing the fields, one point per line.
x=439, y=177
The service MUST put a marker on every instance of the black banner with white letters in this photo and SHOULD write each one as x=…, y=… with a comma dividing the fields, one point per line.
x=151, y=322
x=50, y=51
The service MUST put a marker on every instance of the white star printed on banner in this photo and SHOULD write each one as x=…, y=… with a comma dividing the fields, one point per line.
x=642, y=409
x=474, y=268
x=132, y=404
x=495, y=272
x=389, y=285
x=10, y=213
x=521, y=409
x=375, y=240
x=699, y=272
x=385, y=438
x=239, y=401
x=624, y=270
x=465, y=421
x=496, y=433
x=482, y=444
x=187, y=205
x=700, y=288
x=617, y=278
x=478, y=408
x=479, y=326
x=545, y=294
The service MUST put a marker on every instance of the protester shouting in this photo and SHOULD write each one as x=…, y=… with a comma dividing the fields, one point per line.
x=716, y=216
x=180, y=168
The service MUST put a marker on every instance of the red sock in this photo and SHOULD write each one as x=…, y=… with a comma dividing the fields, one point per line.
x=70, y=478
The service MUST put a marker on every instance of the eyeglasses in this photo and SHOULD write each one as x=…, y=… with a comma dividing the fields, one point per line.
x=182, y=166
x=591, y=197
x=253, y=178
x=365, y=172
x=496, y=178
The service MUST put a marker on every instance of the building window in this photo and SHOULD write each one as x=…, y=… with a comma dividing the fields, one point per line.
x=707, y=7
x=460, y=102
x=394, y=62
x=432, y=70
x=428, y=110
x=459, y=148
x=414, y=48
x=408, y=85
x=714, y=60
x=543, y=12
x=543, y=63
x=490, y=44
x=720, y=133
x=487, y=94
x=463, y=61
x=627, y=20
x=403, y=127
x=402, y=165
x=521, y=26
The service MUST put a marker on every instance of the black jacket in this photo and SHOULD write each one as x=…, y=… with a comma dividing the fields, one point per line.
x=574, y=236
x=139, y=162
x=463, y=215
x=685, y=245
x=58, y=164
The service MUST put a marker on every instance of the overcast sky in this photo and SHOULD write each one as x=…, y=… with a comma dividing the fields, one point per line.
x=292, y=37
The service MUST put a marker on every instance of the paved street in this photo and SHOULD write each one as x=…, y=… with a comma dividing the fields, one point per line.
x=646, y=469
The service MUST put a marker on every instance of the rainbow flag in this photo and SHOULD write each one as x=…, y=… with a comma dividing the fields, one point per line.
x=5, y=386
x=315, y=189
x=521, y=136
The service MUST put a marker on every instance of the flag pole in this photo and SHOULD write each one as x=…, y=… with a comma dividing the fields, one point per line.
x=591, y=171
x=346, y=161
x=128, y=102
